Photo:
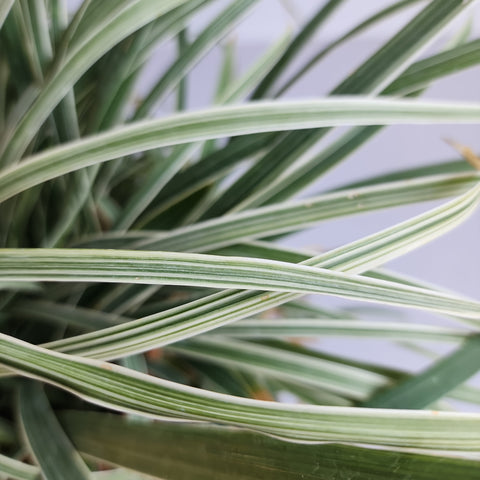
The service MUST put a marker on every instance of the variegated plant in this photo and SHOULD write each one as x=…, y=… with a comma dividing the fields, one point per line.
x=137, y=287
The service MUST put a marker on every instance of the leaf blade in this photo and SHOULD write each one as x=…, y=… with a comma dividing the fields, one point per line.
x=226, y=121
x=57, y=458
x=232, y=454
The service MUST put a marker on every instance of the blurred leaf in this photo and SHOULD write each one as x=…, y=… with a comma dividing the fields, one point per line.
x=17, y=470
x=5, y=7
x=312, y=327
x=295, y=46
x=435, y=382
x=198, y=47
x=376, y=17
x=260, y=359
x=57, y=458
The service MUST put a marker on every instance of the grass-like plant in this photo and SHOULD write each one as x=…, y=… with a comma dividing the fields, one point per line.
x=140, y=277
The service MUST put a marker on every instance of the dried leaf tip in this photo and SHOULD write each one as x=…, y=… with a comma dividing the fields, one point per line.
x=466, y=152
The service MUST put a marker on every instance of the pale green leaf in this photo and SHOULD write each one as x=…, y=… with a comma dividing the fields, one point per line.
x=170, y=268
x=312, y=327
x=15, y=469
x=5, y=7
x=124, y=390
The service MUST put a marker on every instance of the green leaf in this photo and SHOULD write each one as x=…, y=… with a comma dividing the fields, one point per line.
x=41, y=34
x=182, y=46
x=300, y=40
x=227, y=121
x=170, y=268
x=421, y=73
x=451, y=167
x=22, y=16
x=125, y=390
x=160, y=175
x=218, y=28
x=209, y=170
x=57, y=458
x=84, y=318
x=380, y=15
x=183, y=452
x=312, y=327
x=435, y=382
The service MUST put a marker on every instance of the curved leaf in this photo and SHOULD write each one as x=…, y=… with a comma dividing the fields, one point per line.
x=57, y=457
x=227, y=121
x=124, y=390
